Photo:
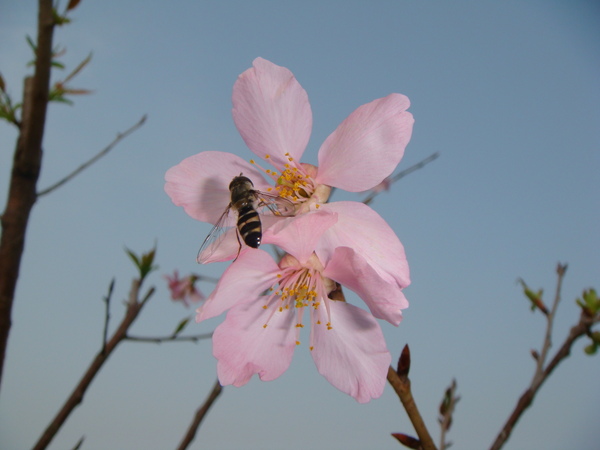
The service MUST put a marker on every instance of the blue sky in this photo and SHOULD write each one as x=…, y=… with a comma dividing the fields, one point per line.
x=507, y=92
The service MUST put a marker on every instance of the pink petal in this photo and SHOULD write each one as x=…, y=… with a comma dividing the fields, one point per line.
x=352, y=355
x=244, y=347
x=363, y=230
x=299, y=235
x=200, y=183
x=367, y=146
x=271, y=112
x=385, y=300
x=244, y=280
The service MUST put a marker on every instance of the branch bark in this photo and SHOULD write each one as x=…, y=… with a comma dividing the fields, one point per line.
x=526, y=399
x=582, y=328
x=401, y=384
x=133, y=309
x=200, y=414
x=27, y=162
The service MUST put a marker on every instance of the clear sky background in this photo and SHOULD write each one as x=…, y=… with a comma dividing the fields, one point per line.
x=508, y=93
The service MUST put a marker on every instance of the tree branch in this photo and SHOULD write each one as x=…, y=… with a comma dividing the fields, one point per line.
x=27, y=162
x=200, y=414
x=402, y=174
x=172, y=338
x=103, y=152
x=134, y=306
x=582, y=328
x=401, y=384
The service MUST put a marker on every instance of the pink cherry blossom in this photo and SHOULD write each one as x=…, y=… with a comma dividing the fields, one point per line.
x=261, y=331
x=326, y=244
x=273, y=115
x=184, y=289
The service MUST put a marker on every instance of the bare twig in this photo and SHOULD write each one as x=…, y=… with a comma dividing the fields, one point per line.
x=200, y=414
x=402, y=174
x=171, y=338
x=107, y=314
x=96, y=157
x=79, y=443
x=539, y=372
x=582, y=328
x=446, y=410
x=134, y=306
x=401, y=383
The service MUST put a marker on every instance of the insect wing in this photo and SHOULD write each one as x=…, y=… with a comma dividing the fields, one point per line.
x=214, y=238
x=279, y=206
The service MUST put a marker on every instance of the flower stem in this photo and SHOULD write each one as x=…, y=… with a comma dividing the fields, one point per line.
x=401, y=385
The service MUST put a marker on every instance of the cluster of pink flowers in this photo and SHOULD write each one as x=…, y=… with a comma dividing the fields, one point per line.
x=326, y=244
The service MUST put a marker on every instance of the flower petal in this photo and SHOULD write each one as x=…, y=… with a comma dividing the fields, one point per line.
x=352, y=355
x=367, y=146
x=363, y=230
x=244, y=346
x=299, y=235
x=200, y=183
x=244, y=280
x=271, y=112
x=385, y=300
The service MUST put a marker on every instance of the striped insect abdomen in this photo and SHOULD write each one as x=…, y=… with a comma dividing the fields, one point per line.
x=242, y=200
x=249, y=225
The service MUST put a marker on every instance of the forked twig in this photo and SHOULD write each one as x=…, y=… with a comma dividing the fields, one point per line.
x=401, y=384
x=542, y=373
x=134, y=306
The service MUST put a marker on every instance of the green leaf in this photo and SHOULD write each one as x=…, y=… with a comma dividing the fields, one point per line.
x=590, y=302
x=79, y=68
x=534, y=297
x=134, y=258
x=181, y=326
x=143, y=263
x=591, y=349
x=31, y=43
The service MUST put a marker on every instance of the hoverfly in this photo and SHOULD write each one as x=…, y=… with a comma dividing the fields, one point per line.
x=246, y=202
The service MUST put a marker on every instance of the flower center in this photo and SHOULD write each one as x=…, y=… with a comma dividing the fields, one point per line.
x=297, y=183
x=300, y=288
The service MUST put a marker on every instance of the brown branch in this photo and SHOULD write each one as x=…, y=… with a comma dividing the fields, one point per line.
x=27, y=162
x=172, y=338
x=579, y=330
x=134, y=306
x=446, y=410
x=401, y=384
x=200, y=414
x=103, y=152
x=402, y=174
x=582, y=328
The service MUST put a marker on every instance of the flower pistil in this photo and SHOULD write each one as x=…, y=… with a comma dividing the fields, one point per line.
x=300, y=286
